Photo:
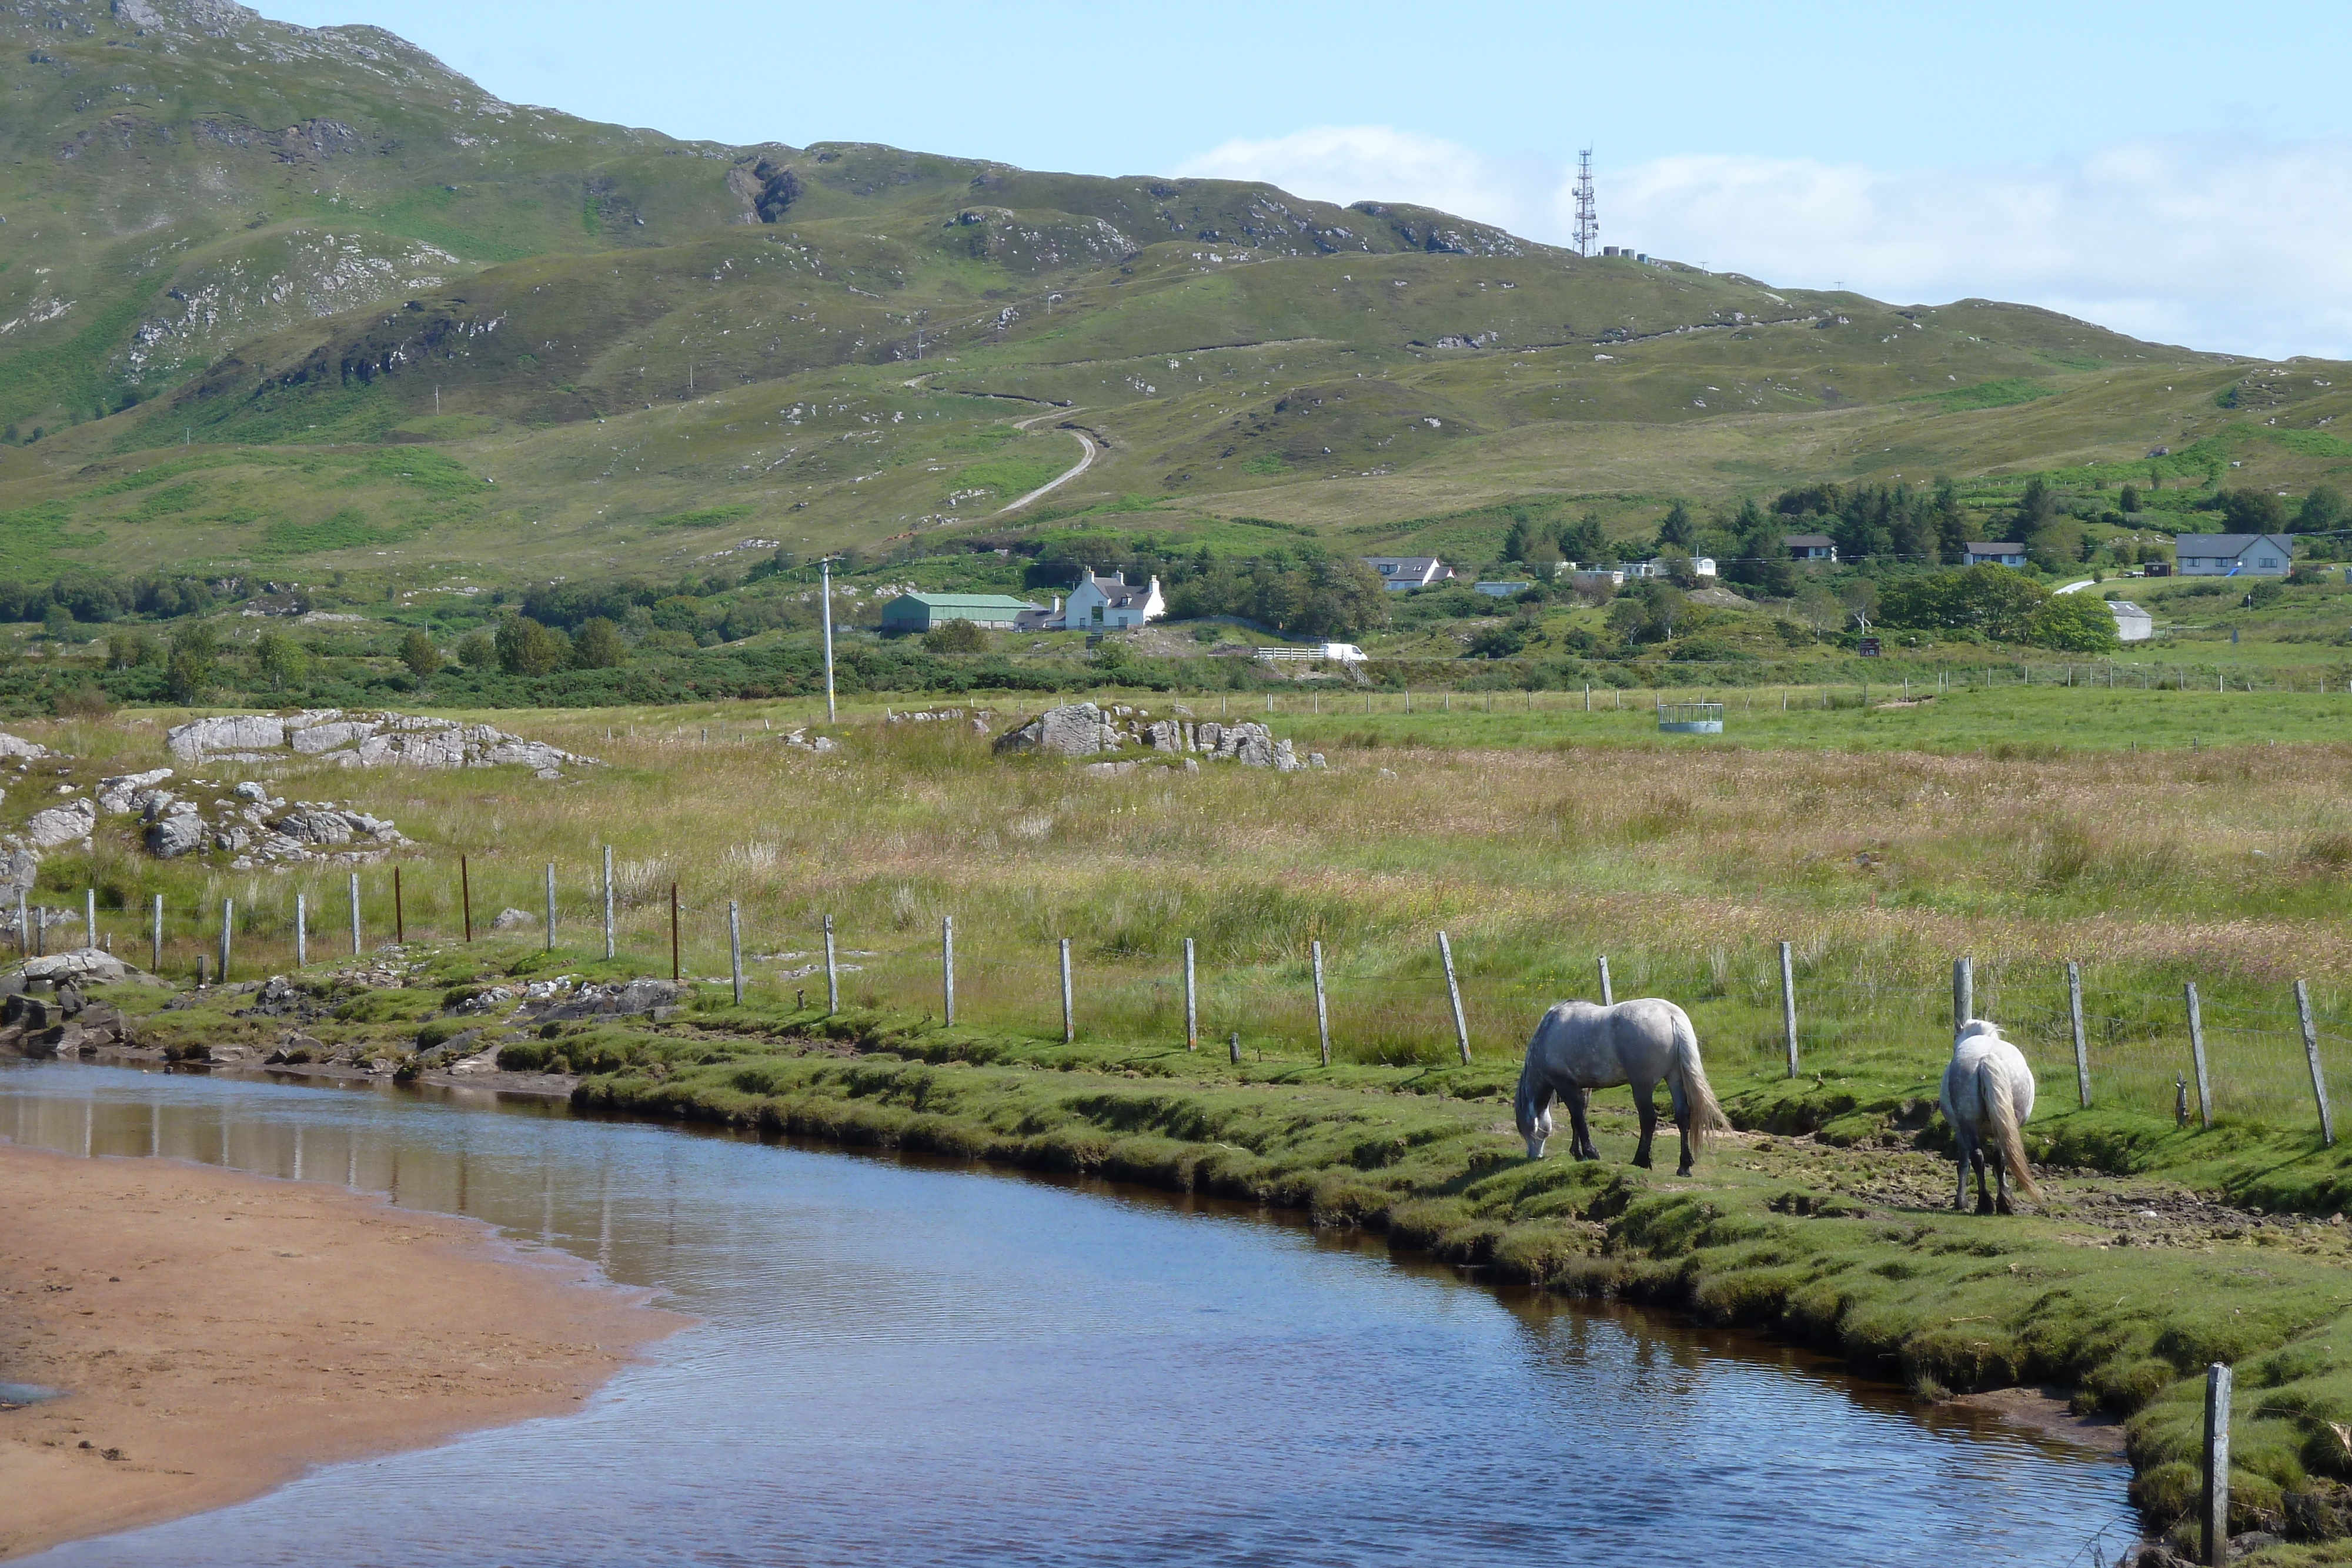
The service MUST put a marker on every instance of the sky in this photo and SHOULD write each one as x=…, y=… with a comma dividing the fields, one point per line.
x=2180, y=175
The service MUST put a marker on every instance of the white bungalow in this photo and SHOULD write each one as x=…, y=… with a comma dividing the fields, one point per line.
x=1110, y=604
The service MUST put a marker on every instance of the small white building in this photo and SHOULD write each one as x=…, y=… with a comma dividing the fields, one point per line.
x=1111, y=603
x=1701, y=566
x=1585, y=578
x=1501, y=590
x=1401, y=572
x=2235, y=554
x=1995, y=554
x=1810, y=547
x=2133, y=624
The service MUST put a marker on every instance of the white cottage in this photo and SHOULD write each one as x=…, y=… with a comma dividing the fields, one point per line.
x=1108, y=604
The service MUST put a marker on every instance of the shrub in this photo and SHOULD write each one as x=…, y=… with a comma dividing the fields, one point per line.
x=955, y=637
x=2074, y=623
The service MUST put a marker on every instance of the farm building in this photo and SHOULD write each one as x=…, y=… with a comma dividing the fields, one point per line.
x=1810, y=547
x=1400, y=572
x=2235, y=554
x=1112, y=602
x=1700, y=565
x=2133, y=624
x=1996, y=554
x=922, y=611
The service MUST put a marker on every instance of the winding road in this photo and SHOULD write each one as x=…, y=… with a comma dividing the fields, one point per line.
x=1085, y=461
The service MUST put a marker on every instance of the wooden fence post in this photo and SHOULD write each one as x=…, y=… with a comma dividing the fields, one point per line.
x=466, y=894
x=2197, y=1054
x=550, y=906
x=676, y=971
x=2082, y=1044
x=831, y=972
x=947, y=965
x=228, y=922
x=1964, y=993
x=156, y=957
x=399, y=912
x=1788, y=1004
x=1608, y=997
x=24, y=925
x=2311, y=1054
x=355, y=914
x=1322, y=1012
x=89, y=916
x=1069, y=1010
x=1192, y=1017
x=301, y=931
x=2214, y=1542
x=1454, y=994
x=608, y=904
x=735, y=946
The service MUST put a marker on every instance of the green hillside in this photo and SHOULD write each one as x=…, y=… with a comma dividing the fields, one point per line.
x=305, y=300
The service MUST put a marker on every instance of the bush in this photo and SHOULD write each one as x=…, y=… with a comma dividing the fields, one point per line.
x=598, y=645
x=526, y=648
x=955, y=637
x=2076, y=623
x=1996, y=600
x=83, y=701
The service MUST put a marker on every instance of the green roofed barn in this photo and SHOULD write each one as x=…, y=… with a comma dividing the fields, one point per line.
x=922, y=611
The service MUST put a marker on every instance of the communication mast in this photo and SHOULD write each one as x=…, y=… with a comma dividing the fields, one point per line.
x=1588, y=224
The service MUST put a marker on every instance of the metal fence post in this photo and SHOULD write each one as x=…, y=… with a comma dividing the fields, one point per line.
x=155, y=965
x=89, y=916
x=2311, y=1053
x=1192, y=1017
x=228, y=920
x=1608, y=997
x=1964, y=993
x=2082, y=1045
x=301, y=931
x=2214, y=1544
x=2197, y=1054
x=735, y=947
x=1069, y=1012
x=1322, y=1012
x=947, y=965
x=608, y=904
x=1454, y=994
x=355, y=914
x=831, y=972
x=550, y=906
x=1788, y=1004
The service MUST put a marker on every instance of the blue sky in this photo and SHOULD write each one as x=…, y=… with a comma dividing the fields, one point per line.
x=2183, y=173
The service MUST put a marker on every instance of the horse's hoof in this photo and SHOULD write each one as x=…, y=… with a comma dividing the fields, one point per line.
x=1643, y=1161
x=2004, y=1206
x=1984, y=1206
x=1683, y=1169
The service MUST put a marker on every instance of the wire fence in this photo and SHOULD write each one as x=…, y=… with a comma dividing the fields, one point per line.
x=1850, y=1011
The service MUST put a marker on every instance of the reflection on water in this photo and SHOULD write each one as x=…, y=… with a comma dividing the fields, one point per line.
x=898, y=1360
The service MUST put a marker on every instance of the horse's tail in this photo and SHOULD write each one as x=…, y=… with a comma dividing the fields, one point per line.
x=1999, y=1112
x=1706, y=1112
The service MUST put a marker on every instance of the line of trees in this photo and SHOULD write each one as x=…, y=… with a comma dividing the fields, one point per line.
x=99, y=597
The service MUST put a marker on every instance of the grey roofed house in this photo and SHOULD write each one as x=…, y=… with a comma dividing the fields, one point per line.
x=1400, y=572
x=1810, y=546
x=2133, y=624
x=1995, y=553
x=2235, y=554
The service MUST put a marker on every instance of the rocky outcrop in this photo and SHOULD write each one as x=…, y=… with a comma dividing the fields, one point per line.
x=68, y=823
x=1083, y=729
x=261, y=830
x=364, y=740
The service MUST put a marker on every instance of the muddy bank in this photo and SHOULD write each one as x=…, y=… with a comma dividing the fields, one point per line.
x=214, y=1334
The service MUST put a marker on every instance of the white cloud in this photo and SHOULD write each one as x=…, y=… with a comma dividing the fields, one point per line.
x=2235, y=245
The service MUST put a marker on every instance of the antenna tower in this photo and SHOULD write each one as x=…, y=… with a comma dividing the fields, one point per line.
x=1588, y=224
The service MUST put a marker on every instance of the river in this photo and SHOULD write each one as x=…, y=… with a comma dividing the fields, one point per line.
x=898, y=1360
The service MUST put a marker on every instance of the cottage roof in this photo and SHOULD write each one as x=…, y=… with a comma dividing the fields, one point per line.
x=1995, y=547
x=2122, y=607
x=2228, y=546
x=1808, y=541
x=972, y=601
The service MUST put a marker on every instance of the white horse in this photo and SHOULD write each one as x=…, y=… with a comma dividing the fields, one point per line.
x=1580, y=1047
x=1988, y=1094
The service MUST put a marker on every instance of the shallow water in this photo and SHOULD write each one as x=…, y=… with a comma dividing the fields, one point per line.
x=898, y=1360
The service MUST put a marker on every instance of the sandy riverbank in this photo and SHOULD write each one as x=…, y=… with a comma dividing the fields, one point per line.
x=216, y=1332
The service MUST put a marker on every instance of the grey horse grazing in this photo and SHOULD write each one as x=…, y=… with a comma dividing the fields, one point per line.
x=1580, y=1047
x=1988, y=1094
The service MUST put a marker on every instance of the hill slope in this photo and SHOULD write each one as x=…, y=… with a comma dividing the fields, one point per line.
x=347, y=309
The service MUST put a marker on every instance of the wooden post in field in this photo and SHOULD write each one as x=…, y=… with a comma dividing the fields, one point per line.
x=2311, y=1054
x=1322, y=1012
x=947, y=967
x=1069, y=1008
x=1233, y=1048
x=2214, y=1542
x=550, y=906
x=676, y=973
x=735, y=946
x=2082, y=1044
x=301, y=930
x=1608, y=997
x=228, y=923
x=24, y=926
x=1192, y=1016
x=2197, y=1055
x=89, y=916
x=825, y=565
x=1964, y=993
x=608, y=904
x=465, y=896
x=156, y=952
x=399, y=912
x=1454, y=994
x=1789, y=1003
x=355, y=914
x=832, y=973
